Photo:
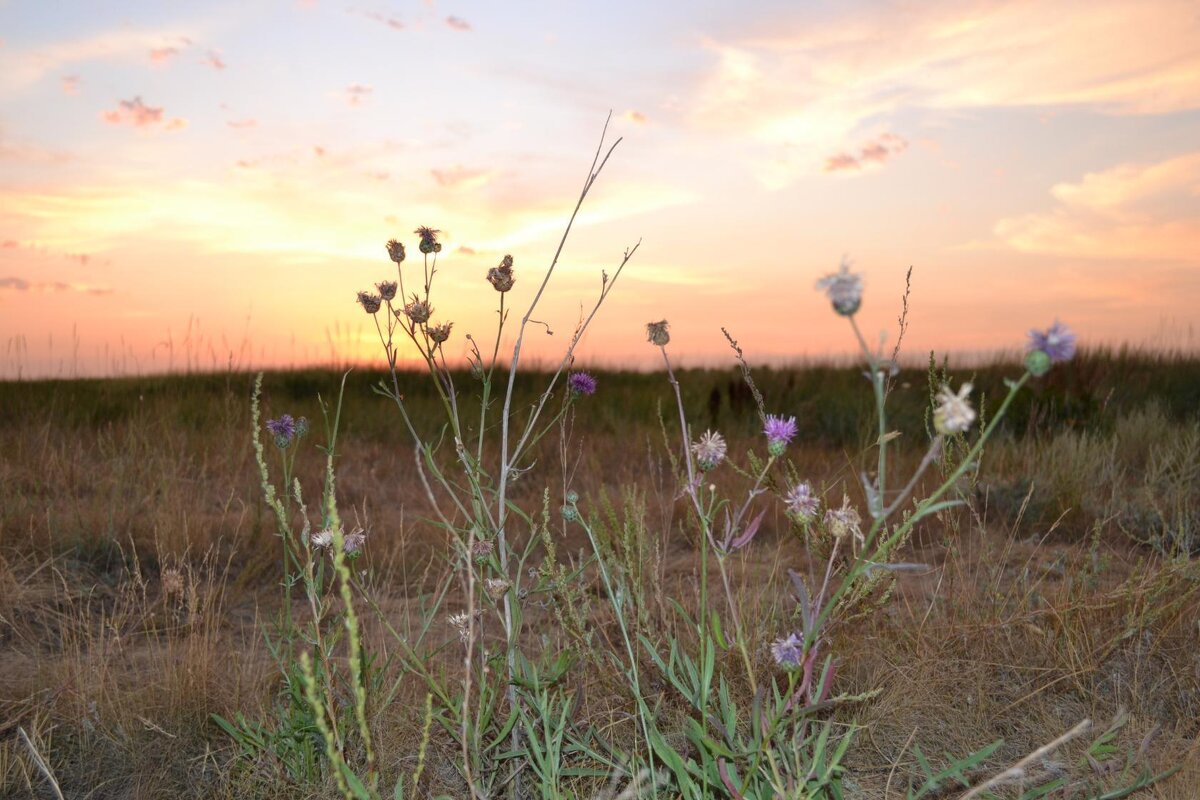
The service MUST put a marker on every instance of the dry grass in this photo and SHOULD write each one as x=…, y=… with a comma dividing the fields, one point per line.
x=137, y=569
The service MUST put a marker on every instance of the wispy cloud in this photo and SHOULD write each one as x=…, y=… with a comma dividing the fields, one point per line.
x=242, y=124
x=15, y=284
x=136, y=114
x=872, y=154
x=1130, y=212
x=459, y=177
x=803, y=87
x=213, y=59
x=636, y=117
x=70, y=84
x=161, y=55
x=357, y=94
x=395, y=23
x=458, y=23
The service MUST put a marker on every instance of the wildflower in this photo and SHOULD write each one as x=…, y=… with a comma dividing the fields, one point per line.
x=802, y=503
x=844, y=289
x=1057, y=341
x=482, y=550
x=582, y=383
x=780, y=433
x=496, y=587
x=429, y=243
x=283, y=429
x=710, y=450
x=788, y=652
x=387, y=290
x=658, y=332
x=321, y=539
x=844, y=521
x=419, y=311
x=301, y=427
x=172, y=581
x=953, y=414
x=370, y=302
x=440, y=333
x=395, y=250
x=501, y=277
x=461, y=621
x=353, y=543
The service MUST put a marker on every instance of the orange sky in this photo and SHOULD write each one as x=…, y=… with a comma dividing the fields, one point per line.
x=214, y=182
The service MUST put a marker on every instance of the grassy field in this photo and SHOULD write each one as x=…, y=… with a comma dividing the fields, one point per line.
x=140, y=575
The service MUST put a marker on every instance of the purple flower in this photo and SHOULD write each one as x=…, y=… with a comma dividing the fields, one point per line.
x=283, y=429
x=789, y=652
x=1057, y=341
x=802, y=504
x=780, y=433
x=582, y=383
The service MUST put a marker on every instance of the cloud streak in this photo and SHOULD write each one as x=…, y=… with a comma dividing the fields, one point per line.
x=15, y=284
x=136, y=114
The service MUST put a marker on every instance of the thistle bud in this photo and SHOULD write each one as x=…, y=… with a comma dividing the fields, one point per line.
x=1038, y=363
x=429, y=243
x=440, y=333
x=370, y=302
x=418, y=311
x=395, y=251
x=501, y=277
x=387, y=290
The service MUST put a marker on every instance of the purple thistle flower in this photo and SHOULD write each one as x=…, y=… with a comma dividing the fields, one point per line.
x=789, y=652
x=1057, y=341
x=780, y=432
x=802, y=504
x=582, y=383
x=283, y=429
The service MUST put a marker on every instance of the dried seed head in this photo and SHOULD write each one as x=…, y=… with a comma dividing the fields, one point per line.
x=418, y=311
x=844, y=521
x=501, y=277
x=658, y=332
x=482, y=550
x=496, y=587
x=440, y=333
x=172, y=581
x=387, y=290
x=321, y=539
x=395, y=250
x=370, y=302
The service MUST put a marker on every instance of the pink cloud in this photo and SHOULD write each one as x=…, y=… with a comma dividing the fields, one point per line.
x=137, y=114
x=458, y=177
x=242, y=124
x=357, y=94
x=15, y=284
x=70, y=84
x=214, y=60
x=874, y=152
x=635, y=117
x=392, y=22
x=161, y=55
x=10, y=244
x=458, y=23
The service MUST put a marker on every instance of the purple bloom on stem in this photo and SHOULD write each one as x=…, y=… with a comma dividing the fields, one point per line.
x=780, y=432
x=802, y=503
x=284, y=427
x=582, y=383
x=789, y=652
x=1057, y=341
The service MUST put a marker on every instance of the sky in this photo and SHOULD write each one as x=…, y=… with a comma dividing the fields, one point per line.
x=206, y=184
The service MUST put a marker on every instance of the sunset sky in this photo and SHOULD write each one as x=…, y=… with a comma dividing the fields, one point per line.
x=223, y=176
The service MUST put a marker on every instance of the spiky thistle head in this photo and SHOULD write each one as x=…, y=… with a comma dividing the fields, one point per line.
x=658, y=333
x=395, y=251
x=844, y=290
x=370, y=302
x=429, y=243
x=709, y=450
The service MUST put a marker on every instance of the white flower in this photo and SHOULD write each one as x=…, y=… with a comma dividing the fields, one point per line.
x=844, y=289
x=461, y=621
x=710, y=450
x=953, y=414
x=321, y=539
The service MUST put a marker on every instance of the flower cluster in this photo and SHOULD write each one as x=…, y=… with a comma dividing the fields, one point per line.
x=286, y=430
